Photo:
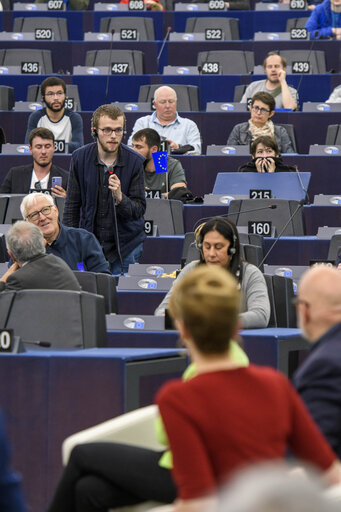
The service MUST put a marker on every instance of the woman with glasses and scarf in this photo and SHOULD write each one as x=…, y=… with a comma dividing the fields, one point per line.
x=262, y=109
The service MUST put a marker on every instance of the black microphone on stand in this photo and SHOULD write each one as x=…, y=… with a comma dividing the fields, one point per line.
x=111, y=172
x=300, y=204
x=306, y=197
x=109, y=66
x=169, y=30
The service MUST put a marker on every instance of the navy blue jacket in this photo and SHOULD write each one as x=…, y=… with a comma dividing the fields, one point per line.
x=318, y=381
x=77, y=247
x=11, y=499
x=81, y=200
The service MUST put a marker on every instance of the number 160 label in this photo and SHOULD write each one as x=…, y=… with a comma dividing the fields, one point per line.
x=259, y=227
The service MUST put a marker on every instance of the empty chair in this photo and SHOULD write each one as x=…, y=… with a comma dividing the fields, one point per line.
x=167, y=215
x=229, y=26
x=295, y=23
x=316, y=58
x=291, y=132
x=279, y=216
x=134, y=59
x=239, y=92
x=334, y=246
x=231, y=62
x=6, y=97
x=33, y=95
x=253, y=254
x=13, y=208
x=101, y=284
x=62, y=318
x=58, y=26
x=15, y=57
x=188, y=95
x=273, y=318
x=144, y=26
x=333, y=134
x=283, y=295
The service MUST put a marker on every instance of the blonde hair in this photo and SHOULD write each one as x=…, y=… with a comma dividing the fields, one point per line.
x=207, y=300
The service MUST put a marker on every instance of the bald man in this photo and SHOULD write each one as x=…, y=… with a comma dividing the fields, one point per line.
x=318, y=380
x=182, y=134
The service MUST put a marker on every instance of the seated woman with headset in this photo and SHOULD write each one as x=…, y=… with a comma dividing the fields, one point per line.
x=218, y=243
x=228, y=416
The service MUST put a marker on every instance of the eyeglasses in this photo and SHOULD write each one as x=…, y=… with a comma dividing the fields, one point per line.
x=260, y=110
x=108, y=131
x=45, y=211
x=59, y=94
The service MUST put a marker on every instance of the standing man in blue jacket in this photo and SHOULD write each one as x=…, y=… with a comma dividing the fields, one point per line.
x=66, y=125
x=106, y=190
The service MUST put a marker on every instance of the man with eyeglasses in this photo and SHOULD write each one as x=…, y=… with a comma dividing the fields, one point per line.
x=262, y=109
x=66, y=125
x=181, y=134
x=275, y=68
x=32, y=268
x=318, y=379
x=37, y=178
x=77, y=247
x=106, y=190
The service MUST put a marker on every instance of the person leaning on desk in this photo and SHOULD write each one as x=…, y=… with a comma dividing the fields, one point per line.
x=265, y=157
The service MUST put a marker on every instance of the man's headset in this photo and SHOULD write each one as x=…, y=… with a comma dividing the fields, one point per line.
x=231, y=251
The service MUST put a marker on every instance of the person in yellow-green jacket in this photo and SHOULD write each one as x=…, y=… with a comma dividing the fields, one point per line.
x=100, y=476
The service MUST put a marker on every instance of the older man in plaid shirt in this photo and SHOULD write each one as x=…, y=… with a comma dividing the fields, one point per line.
x=106, y=190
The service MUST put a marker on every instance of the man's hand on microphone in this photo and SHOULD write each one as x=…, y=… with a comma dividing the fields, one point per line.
x=115, y=187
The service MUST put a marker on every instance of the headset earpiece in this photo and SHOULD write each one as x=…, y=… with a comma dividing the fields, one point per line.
x=94, y=133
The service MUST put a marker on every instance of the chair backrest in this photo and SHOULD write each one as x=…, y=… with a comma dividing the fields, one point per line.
x=6, y=97
x=231, y=62
x=253, y=254
x=240, y=215
x=101, y=284
x=134, y=58
x=188, y=95
x=284, y=294
x=295, y=23
x=143, y=25
x=167, y=214
x=334, y=245
x=333, y=134
x=13, y=208
x=291, y=132
x=14, y=57
x=62, y=318
x=316, y=58
x=273, y=318
x=229, y=26
x=57, y=25
x=33, y=94
x=239, y=92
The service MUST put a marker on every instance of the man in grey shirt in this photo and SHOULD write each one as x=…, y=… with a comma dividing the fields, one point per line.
x=146, y=142
x=275, y=83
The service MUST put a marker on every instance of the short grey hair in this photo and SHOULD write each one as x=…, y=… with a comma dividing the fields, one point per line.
x=162, y=89
x=25, y=241
x=30, y=199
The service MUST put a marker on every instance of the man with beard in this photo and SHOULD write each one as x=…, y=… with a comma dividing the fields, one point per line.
x=25, y=178
x=105, y=192
x=66, y=125
x=318, y=379
x=275, y=83
x=146, y=142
